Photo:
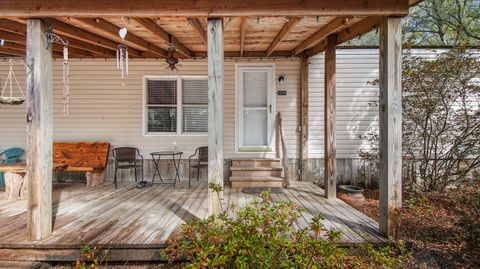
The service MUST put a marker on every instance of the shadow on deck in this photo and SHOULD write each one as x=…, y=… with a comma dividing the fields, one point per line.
x=134, y=223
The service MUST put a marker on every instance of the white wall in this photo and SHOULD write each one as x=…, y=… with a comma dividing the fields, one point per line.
x=103, y=109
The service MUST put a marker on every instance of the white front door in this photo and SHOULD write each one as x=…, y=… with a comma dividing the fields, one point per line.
x=255, y=107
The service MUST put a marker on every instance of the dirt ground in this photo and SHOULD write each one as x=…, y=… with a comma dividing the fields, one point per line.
x=430, y=229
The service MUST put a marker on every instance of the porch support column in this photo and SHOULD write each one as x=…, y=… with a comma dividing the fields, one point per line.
x=39, y=84
x=215, y=111
x=330, y=150
x=304, y=113
x=390, y=124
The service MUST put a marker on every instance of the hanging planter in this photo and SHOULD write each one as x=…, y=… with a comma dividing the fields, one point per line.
x=8, y=88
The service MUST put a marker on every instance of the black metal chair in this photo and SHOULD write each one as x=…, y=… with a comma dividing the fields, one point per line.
x=197, y=163
x=127, y=158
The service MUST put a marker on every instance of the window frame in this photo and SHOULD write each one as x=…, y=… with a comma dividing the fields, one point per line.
x=179, y=105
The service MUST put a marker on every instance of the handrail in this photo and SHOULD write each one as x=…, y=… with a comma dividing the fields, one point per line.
x=281, y=146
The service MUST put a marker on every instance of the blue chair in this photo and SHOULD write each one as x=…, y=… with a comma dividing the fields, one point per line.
x=11, y=156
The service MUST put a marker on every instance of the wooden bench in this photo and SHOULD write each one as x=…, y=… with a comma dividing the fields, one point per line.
x=88, y=157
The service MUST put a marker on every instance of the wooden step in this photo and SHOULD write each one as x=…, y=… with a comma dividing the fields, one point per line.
x=255, y=162
x=256, y=171
x=255, y=168
x=256, y=181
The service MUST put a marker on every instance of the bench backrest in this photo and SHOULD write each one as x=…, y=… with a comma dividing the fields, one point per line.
x=81, y=156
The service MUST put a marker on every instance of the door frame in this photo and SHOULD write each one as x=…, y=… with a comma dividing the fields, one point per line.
x=269, y=68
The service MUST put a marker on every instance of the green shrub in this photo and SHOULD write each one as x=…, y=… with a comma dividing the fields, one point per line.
x=262, y=236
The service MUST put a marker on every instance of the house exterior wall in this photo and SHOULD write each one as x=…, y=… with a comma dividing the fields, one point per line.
x=105, y=107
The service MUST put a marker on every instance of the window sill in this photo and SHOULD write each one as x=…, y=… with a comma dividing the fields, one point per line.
x=176, y=134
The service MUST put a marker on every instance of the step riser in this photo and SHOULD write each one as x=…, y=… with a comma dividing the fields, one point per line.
x=256, y=184
x=254, y=163
x=257, y=173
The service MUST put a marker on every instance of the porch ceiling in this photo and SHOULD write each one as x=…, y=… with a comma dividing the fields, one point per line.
x=296, y=32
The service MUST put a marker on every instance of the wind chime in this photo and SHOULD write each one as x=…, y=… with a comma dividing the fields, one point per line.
x=51, y=37
x=11, y=99
x=122, y=52
x=122, y=59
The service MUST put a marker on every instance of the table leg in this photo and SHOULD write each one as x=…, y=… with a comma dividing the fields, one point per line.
x=156, y=171
x=177, y=168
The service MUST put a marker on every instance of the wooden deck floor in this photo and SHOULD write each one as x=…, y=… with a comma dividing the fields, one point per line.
x=130, y=218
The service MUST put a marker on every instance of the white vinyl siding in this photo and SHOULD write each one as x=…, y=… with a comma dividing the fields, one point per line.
x=104, y=107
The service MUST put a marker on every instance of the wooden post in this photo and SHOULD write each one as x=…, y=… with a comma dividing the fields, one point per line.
x=304, y=115
x=390, y=124
x=39, y=131
x=330, y=99
x=215, y=111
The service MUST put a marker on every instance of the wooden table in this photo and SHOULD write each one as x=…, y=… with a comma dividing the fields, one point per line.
x=15, y=184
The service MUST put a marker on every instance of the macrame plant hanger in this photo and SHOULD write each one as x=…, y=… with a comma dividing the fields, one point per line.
x=11, y=99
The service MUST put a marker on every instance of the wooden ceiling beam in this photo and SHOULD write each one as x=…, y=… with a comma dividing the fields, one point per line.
x=76, y=47
x=362, y=27
x=252, y=54
x=153, y=27
x=331, y=27
x=70, y=31
x=198, y=28
x=20, y=50
x=111, y=31
x=12, y=52
x=287, y=27
x=243, y=29
x=202, y=8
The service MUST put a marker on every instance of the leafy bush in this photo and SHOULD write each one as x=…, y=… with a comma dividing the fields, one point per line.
x=262, y=236
x=441, y=120
x=91, y=258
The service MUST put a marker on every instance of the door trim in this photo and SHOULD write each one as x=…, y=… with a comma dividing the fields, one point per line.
x=270, y=68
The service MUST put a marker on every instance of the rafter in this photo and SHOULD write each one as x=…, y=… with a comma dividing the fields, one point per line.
x=14, y=52
x=331, y=27
x=111, y=30
x=287, y=27
x=68, y=30
x=243, y=27
x=364, y=26
x=162, y=34
x=76, y=47
x=198, y=28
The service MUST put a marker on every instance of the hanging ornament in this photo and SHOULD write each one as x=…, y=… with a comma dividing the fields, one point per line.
x=66, y=81
x=122, y=32
x=11, y=99
x=122, y=59
x=51, y=37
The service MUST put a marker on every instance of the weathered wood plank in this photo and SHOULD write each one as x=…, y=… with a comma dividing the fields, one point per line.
x=330, y=133
x=39, y=131
x=201, y=8
x=390, y=173
x=287, y=27
x=215, y=110
x=243, y=30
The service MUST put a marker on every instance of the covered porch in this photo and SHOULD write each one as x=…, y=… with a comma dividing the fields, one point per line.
x=133, y=224
x=61, y=218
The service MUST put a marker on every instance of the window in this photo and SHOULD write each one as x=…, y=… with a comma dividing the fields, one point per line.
x=176, y=105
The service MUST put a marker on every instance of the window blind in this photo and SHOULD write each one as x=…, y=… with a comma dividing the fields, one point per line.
x=161, y=105
x=195, y=105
